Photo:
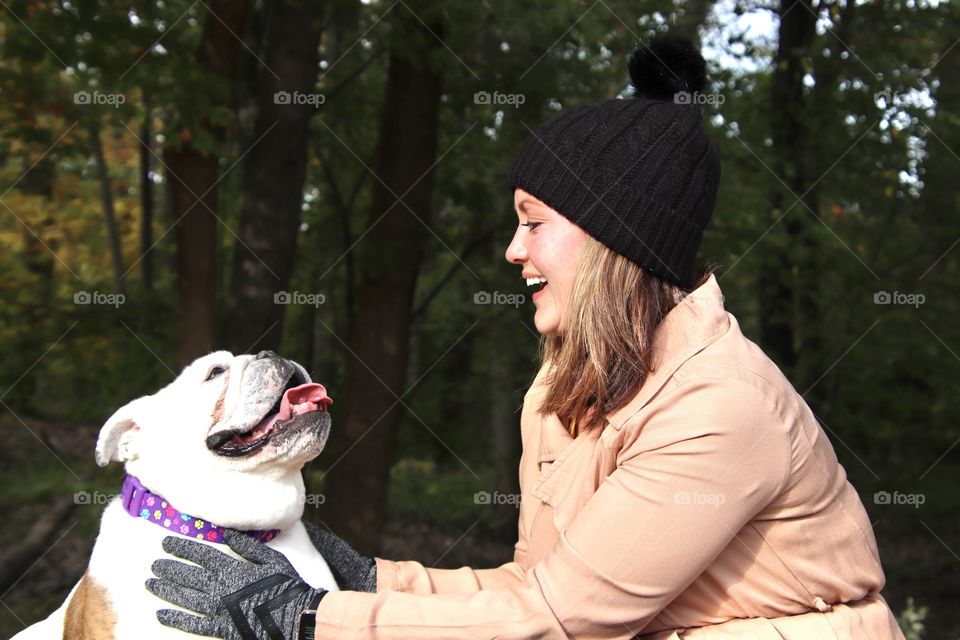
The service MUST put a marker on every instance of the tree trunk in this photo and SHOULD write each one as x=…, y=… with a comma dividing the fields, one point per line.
x=39, y=250
x=390, y=260
x=106, y=198
x=776, y=279
x=826, y=69
x=146, y=198
x=340, y=37
x=19, y=557
x=192, y=179
x=248, y=73
x=275, y=171
x=196, y=238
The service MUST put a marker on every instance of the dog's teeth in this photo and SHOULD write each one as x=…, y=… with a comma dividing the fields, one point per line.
x=303, y=407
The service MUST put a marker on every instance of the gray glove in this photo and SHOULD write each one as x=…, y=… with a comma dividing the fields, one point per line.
x=260, y=597
x=353, y=571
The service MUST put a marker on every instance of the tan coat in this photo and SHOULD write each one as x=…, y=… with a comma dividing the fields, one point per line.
x=712, y=506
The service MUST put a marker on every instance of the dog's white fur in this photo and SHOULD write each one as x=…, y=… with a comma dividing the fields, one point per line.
x=161, y=439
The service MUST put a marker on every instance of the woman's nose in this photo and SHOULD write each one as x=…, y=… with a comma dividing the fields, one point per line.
x=516, y=253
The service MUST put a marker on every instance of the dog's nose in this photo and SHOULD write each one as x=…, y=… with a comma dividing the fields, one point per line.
x=265, y=354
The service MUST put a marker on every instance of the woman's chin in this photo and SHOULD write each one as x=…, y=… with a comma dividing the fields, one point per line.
x=546, y=323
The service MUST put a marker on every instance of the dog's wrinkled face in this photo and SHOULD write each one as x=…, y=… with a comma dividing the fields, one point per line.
x=233, y=413
x=278, y=411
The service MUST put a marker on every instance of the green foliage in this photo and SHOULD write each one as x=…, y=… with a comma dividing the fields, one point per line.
x=421, y=493
x=911, y=621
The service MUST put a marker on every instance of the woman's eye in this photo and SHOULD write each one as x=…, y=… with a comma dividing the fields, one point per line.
x=531, y=225
x=216, y=371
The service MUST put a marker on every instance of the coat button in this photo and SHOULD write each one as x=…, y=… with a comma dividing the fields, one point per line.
x=821, y=606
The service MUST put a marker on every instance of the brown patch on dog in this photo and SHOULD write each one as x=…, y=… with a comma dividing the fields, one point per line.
x=217, y=414
x=90, y=613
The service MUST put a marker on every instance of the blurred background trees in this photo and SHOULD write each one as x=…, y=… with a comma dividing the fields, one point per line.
x=326, y=179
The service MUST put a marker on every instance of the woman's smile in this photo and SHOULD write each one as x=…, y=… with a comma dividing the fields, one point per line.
x=547, y=246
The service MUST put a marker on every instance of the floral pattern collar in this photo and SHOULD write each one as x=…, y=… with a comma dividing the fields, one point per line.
x=140, y=502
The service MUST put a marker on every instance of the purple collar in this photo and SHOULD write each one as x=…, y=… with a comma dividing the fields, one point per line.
x=139, y=502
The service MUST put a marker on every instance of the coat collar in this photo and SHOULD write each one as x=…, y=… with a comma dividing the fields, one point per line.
x=696, y=322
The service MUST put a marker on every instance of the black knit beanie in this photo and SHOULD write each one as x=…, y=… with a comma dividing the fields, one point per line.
x=638, y=174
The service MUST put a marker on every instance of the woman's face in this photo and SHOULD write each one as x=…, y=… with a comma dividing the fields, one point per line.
x=547, y=246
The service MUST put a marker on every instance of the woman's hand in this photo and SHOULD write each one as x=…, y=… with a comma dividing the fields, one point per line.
x=353, y=571
x=260, y=596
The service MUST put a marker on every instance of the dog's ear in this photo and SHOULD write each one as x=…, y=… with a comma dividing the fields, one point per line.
x=117, y=430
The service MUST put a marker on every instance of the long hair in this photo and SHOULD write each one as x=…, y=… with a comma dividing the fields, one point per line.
x=603, y=356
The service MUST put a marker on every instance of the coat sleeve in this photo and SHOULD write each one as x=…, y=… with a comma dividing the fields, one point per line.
x=413, y=577
x=709, y=458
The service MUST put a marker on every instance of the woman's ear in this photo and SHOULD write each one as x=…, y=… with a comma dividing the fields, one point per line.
x=119, y=432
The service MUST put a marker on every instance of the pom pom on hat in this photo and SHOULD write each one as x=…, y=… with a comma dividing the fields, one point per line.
x=667, y=66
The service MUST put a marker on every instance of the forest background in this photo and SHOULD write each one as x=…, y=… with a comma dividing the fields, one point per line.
x=327, y=180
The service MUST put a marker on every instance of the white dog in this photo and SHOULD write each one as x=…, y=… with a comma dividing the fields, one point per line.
x=220, y=446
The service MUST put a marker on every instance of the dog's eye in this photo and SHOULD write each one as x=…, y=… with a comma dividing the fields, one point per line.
x=214, y=373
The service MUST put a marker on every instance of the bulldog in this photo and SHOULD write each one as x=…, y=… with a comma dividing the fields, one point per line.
x=222, y=446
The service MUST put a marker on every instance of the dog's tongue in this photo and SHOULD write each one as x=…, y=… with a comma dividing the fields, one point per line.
x=302, y=399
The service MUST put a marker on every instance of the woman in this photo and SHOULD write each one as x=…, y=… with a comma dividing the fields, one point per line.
x=674, y=484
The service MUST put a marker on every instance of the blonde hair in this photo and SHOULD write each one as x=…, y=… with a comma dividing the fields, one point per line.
x=602, y=357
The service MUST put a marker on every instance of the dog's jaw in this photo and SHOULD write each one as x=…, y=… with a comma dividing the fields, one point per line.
x=263, y=499
x=168, y=453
